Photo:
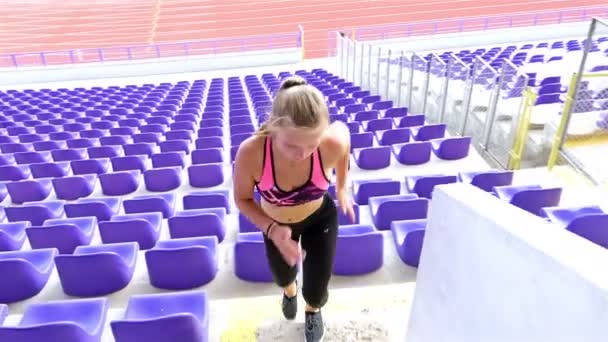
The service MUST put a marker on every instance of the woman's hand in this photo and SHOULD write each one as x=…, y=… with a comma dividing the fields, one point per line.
x=289, y=249
x=346, y=203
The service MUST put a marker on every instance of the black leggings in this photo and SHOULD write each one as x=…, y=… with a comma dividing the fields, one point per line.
x=319, y=232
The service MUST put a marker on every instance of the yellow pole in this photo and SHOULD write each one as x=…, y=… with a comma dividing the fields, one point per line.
x=557, y=140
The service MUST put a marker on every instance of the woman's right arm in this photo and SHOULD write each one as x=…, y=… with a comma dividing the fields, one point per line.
x=245, y=164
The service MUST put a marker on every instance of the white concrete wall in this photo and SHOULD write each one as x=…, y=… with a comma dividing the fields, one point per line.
x=101, y=70
x=492, y=272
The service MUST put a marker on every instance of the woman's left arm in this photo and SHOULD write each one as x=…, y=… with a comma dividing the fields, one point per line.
x=341, y=137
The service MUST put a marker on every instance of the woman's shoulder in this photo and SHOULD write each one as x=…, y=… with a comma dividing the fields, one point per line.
x=335, y=141
x=251, y=150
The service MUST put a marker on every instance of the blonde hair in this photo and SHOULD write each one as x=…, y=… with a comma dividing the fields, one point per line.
x=296, y=103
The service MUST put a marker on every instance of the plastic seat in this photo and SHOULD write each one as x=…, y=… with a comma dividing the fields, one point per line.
x=386, y=209
x=103, y=208
x=51, y=169
x=207, y=156
x=412, y=153
x=163, y=203
x=423, y=185
x=90, y=166
x=396, y=112
x=197, y=256
x=360, y=140
x=359, y=250
x=208, y=142
x=139, y=148
x=97, y=270
x=393, y=136
x=163, y=179
x=364, y=189
x=168, y=159
x=207, y=199
x=120, y=183
x=35, y=212
x=365, y=115
x=29, y=273
x=250, y=260
x=206, y=175
x=593, y=227
x=69, y=154
x=198, y=222
x=107, y=151
x=428, y=132
x=164, y=317
x=32, y=157
x=175, y=146
x=451, y=148
x=487, y=180
x=143, y=228
x=14, y=172
x=563, y=216
x=372, y=158
x=530, y=198
x=81, y=320
x=74, y=187
x=63, y=234
x=408, y=237
x=29, y=190
x=12, y=236
x=128, y=163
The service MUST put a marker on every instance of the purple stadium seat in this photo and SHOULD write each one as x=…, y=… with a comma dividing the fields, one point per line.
x=97, y=270
x=207, y=199
x=29, y=190
x=412, y=153
x=530, y=198
x=61, y=320
x=197, y=256
x=386, y=209
x=428, y=132
x=35, y=212
x=408, y=236
x=207, y=156
x=3, y=313
x=168, y=159
x=360, y=140
x=74, y=187
x=103, y=208
x=593, y=227
x=378, y=124
x=163, y=203
x=14, y=172
x=372, y=158
x=105, y=151
x=393, y=136
x=120, y=183
x=364, y=189
x=32, y=157
x=487, y=180
x=451, y=148
x=30, y=271
x=175, y=146
x=52, y=169
x=563, y=216
x=143, y=228
x=128, y=163
x=164, y=317
x=163, y=179
x=12, y=236
x=90, y=166
x=359, y=250
x=139, y=148
x=208, y=142
x=198, y=222
x=250, y=261
x=63, y=234
x=206, y=175
x=423, y=185
x=396, y=112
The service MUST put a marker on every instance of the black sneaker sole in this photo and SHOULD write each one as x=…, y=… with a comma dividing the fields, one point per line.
x=290, y=303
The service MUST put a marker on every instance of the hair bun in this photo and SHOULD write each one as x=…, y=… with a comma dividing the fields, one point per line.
x=293, y=81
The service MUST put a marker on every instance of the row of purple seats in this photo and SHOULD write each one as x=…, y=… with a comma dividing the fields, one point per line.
x=159, y=317
x=116, y=183
x=411, y=153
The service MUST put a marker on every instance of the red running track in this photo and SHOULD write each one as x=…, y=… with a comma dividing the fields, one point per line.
x=76, y=24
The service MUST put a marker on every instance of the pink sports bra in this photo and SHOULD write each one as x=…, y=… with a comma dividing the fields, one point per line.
x=314, y=188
